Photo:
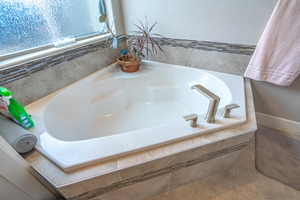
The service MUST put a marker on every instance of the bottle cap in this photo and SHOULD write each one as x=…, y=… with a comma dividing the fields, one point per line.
x=5, y=92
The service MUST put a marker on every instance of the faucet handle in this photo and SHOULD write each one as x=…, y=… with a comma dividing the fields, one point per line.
x=228, y=109
x=193, y=118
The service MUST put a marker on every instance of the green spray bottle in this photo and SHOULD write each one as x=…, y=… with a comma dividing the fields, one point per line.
x=9, y=107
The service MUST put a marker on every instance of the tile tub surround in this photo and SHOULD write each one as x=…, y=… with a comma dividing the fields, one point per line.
x=109, y=179
x=214, y=56
x=58, y=71
x=49, y=74
x=168, y=181
x=278, y=155
x=202, y=59
x=241, y=182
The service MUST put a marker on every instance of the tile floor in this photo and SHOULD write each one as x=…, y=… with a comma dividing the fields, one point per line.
x=242, y=182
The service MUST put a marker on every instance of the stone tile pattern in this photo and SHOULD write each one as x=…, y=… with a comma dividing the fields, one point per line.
x=205, y=45
x=155, y=182
x=21, y=71
x=18, y=72
x=241, y=182
x=54, y=72
x=208, y=46
x=214, y=56
x=32, y=81
x=278, y=156
x=220, y=57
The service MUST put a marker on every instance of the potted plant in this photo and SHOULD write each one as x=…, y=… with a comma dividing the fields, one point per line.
x=140, y=45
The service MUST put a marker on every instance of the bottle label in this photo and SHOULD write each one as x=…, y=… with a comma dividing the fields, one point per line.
x=4, y=107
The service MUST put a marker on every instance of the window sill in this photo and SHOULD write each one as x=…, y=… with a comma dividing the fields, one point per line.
x=50, y=52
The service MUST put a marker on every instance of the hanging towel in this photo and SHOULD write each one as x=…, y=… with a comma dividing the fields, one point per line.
x=277, y=56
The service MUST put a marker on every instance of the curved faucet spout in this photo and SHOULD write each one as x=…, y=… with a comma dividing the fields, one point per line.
x=214, y=101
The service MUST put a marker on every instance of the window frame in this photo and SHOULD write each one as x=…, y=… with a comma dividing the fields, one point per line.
x=28, y=55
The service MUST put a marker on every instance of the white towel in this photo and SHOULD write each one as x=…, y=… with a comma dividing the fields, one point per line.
x=277, y=56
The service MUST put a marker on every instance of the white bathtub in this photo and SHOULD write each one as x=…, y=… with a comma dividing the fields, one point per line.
x=111, y=113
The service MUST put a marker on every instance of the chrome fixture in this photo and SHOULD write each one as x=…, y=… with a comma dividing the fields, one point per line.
x=214, y=101
x=193, y=118
x=228, y=109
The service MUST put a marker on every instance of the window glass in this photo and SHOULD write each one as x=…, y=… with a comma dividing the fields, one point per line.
x=27, y=24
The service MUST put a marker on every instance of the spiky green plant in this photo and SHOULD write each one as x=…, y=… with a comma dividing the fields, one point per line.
x=143, y=43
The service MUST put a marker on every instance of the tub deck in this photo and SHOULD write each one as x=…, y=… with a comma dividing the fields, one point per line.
x=119, y=173
x=110, y=114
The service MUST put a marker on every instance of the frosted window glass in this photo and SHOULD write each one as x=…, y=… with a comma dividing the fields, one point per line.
x=26, y=24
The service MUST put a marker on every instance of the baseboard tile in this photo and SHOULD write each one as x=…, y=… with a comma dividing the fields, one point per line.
x=278, y=123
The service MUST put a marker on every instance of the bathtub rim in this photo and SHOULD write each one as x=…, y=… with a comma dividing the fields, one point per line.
x=68, y=163
x=62, y=180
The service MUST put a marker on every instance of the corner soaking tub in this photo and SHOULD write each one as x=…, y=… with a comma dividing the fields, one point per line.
x=111, y=113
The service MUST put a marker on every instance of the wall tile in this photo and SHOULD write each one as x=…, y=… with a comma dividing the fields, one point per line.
x=217, y=148
x=202, y=170
x=241, y=182
x=139, y=191
x=148, y=167
x=278, y=156
x=114, y=185
x=85, y=187
x=41, y=83
x=209, y=60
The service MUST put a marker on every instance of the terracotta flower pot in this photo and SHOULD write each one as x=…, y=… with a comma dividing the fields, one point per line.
x=129, y=64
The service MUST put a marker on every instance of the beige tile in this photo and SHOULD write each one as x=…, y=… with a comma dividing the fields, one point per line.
x=210, y=147
x=202, y=170
x=278, y=156
x=96, y=60
x=26, y=91
x=174, y=55
x=210, y=60
x=89, y=185
x=161, y=196
x=59, y=76
x=242, y=182
x=186, y=193
x=147, y=167
x=139, y=191
x=218, y=61
x=86, y=178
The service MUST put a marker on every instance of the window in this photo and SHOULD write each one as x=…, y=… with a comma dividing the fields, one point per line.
x=28, y=25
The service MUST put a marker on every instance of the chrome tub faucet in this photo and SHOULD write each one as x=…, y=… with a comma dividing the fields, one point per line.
x=214, y=101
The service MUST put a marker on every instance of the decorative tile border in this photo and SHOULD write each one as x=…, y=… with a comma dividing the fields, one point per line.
x=208, y=46
x=21, y=71
x=160, y=172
